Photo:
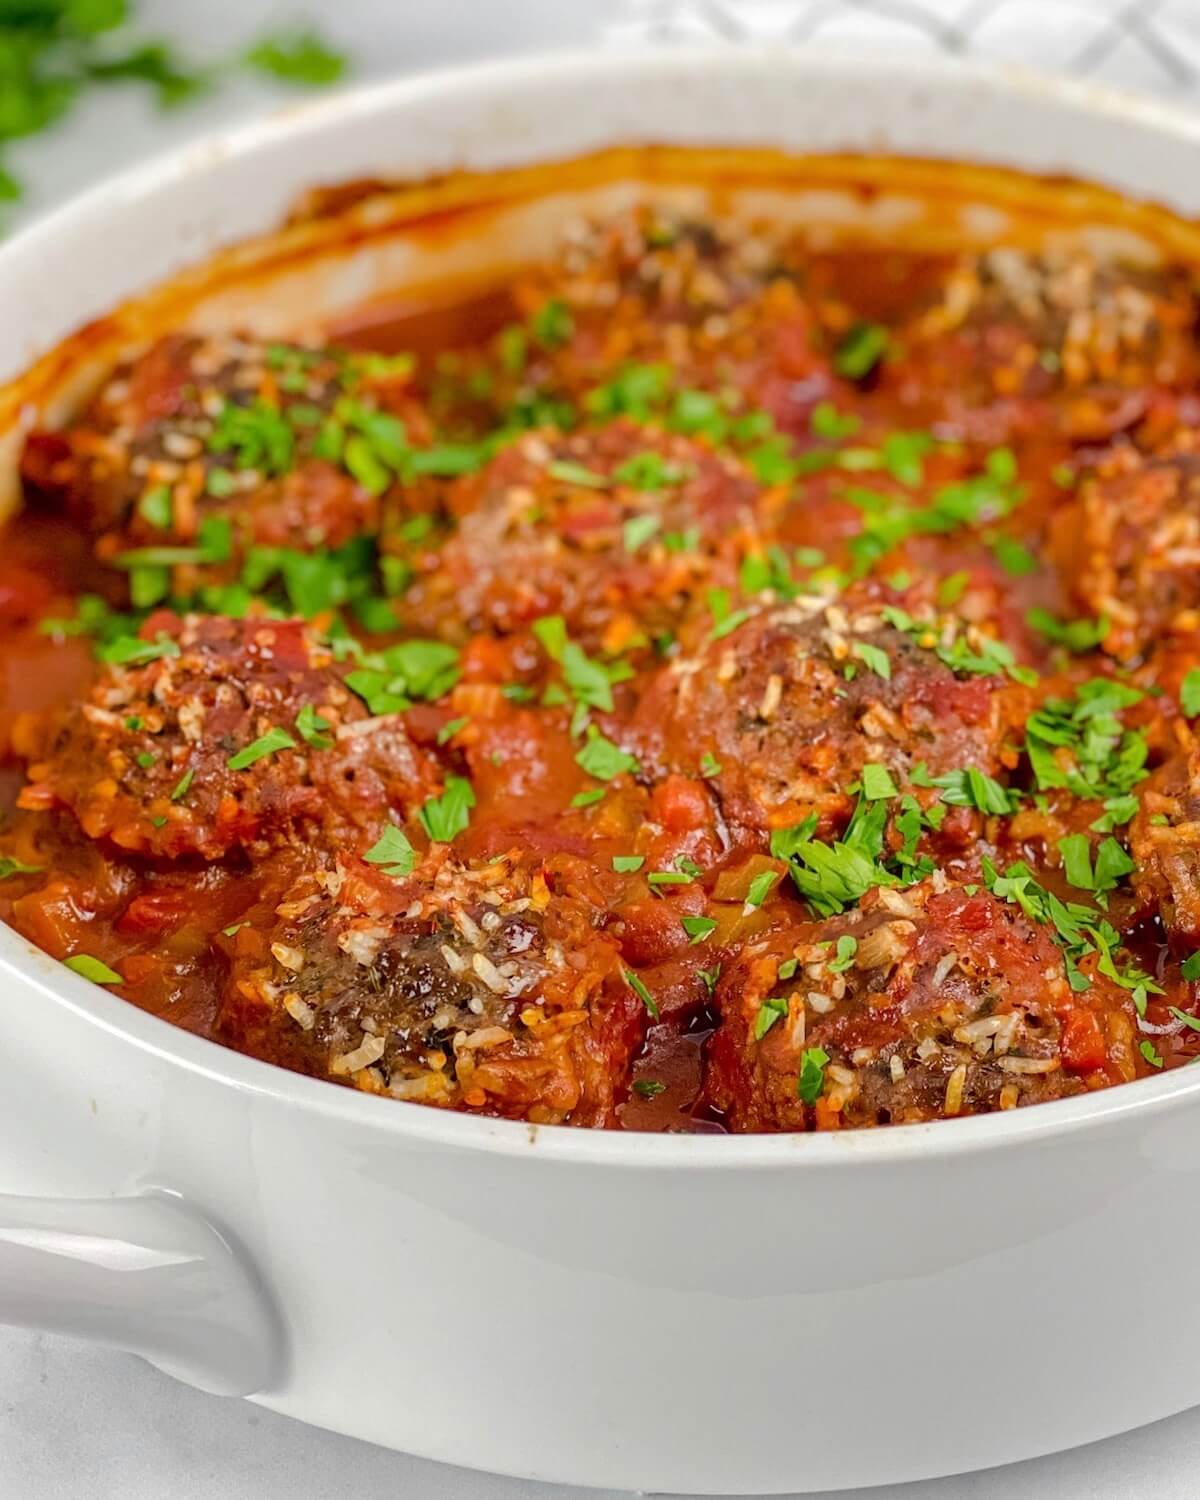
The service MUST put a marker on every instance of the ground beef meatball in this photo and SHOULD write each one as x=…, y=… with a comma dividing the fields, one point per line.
x=920, y=1004
x=233, y=734
x=480, y=987
x=259, y=436
x=793, y=703
x=640, y=307
x=621, y=529
x=1020, y=344
x=1127, y=546
x=1164, y=840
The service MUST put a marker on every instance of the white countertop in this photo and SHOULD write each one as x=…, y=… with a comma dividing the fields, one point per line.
x=79, y=1423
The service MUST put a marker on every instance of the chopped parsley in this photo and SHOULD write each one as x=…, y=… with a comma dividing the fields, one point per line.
x=760, y=888
x=1077, y=636
x=10, y=867
x=600, y=758
x=93, y=968
x=1189, y=693
x=450, y=728
x=847, y=947
x=811, y=1080
x=833, y=876
x=552, y=325
x=648, y=1088
x=156, y=508
x=769, y=1012
x=638, y=530
x=394, y=851
x=832, y=425
x=875, y=658
x=861, y=350
x=638, y=987
x=1080, y=744
x=131, y=650
x=444, y=817
x=709, y=764
x=626, y=864
x=1112, y=863
x=698, y=928
x=649, y=472
x=725, y=619
x=970, y=788
x=877, y=783
x=266, y=744
x=312, y=728
x=181, y=788
x=1190, y=967
x=573, y=473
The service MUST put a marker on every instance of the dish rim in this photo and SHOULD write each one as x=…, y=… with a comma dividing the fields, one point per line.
x=169, y=1044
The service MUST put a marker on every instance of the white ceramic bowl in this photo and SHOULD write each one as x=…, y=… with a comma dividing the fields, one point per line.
x=649, y=1312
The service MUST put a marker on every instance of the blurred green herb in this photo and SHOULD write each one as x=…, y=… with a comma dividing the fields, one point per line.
x=53, y=52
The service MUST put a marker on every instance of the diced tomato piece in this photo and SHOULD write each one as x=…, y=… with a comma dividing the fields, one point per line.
x=680, y=804
x=1082, y=1042
x=155, y=911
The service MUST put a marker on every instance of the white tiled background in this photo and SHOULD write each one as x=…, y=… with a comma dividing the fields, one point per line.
x=78, y=1423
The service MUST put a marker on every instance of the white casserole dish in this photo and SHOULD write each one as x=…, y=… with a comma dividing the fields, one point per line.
x=644, y=1312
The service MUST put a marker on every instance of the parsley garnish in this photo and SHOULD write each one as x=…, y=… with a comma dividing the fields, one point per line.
x=600, y=758
x=760, y=888
x=811, y=1080
x=1077, y=636
x=626, y=864
x=394, y=851
x=573, y=473
x=1189, y=693
x=698, y=928
x=970, y=788
x=861, y=350
x=266, y=744
x=769, y=1012
x=638, y=530
x=648, y=1088
x=128, y=650
x=877, y=783
x=873, y=657
x=10, y=867
x=93, y=969
x=649, y=472
x=833, y=876
x=643, y=994
x=311, y=728
x=1081, y=745
x=444, y=817
x=847, y=947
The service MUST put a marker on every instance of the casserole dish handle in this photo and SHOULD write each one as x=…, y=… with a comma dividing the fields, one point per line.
x=147, y=1274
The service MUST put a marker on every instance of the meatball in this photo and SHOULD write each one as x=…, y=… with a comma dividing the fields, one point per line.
x=621, y=530
x=255, y=437
x=1128, y=544
x=1022, y=344
x=919, y=1004
x=799, y=697
x=233, y=734
x=637, y=308
x=470, y=986
x=1164, y=841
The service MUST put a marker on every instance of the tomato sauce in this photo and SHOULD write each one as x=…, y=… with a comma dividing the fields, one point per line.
x=712, y=684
